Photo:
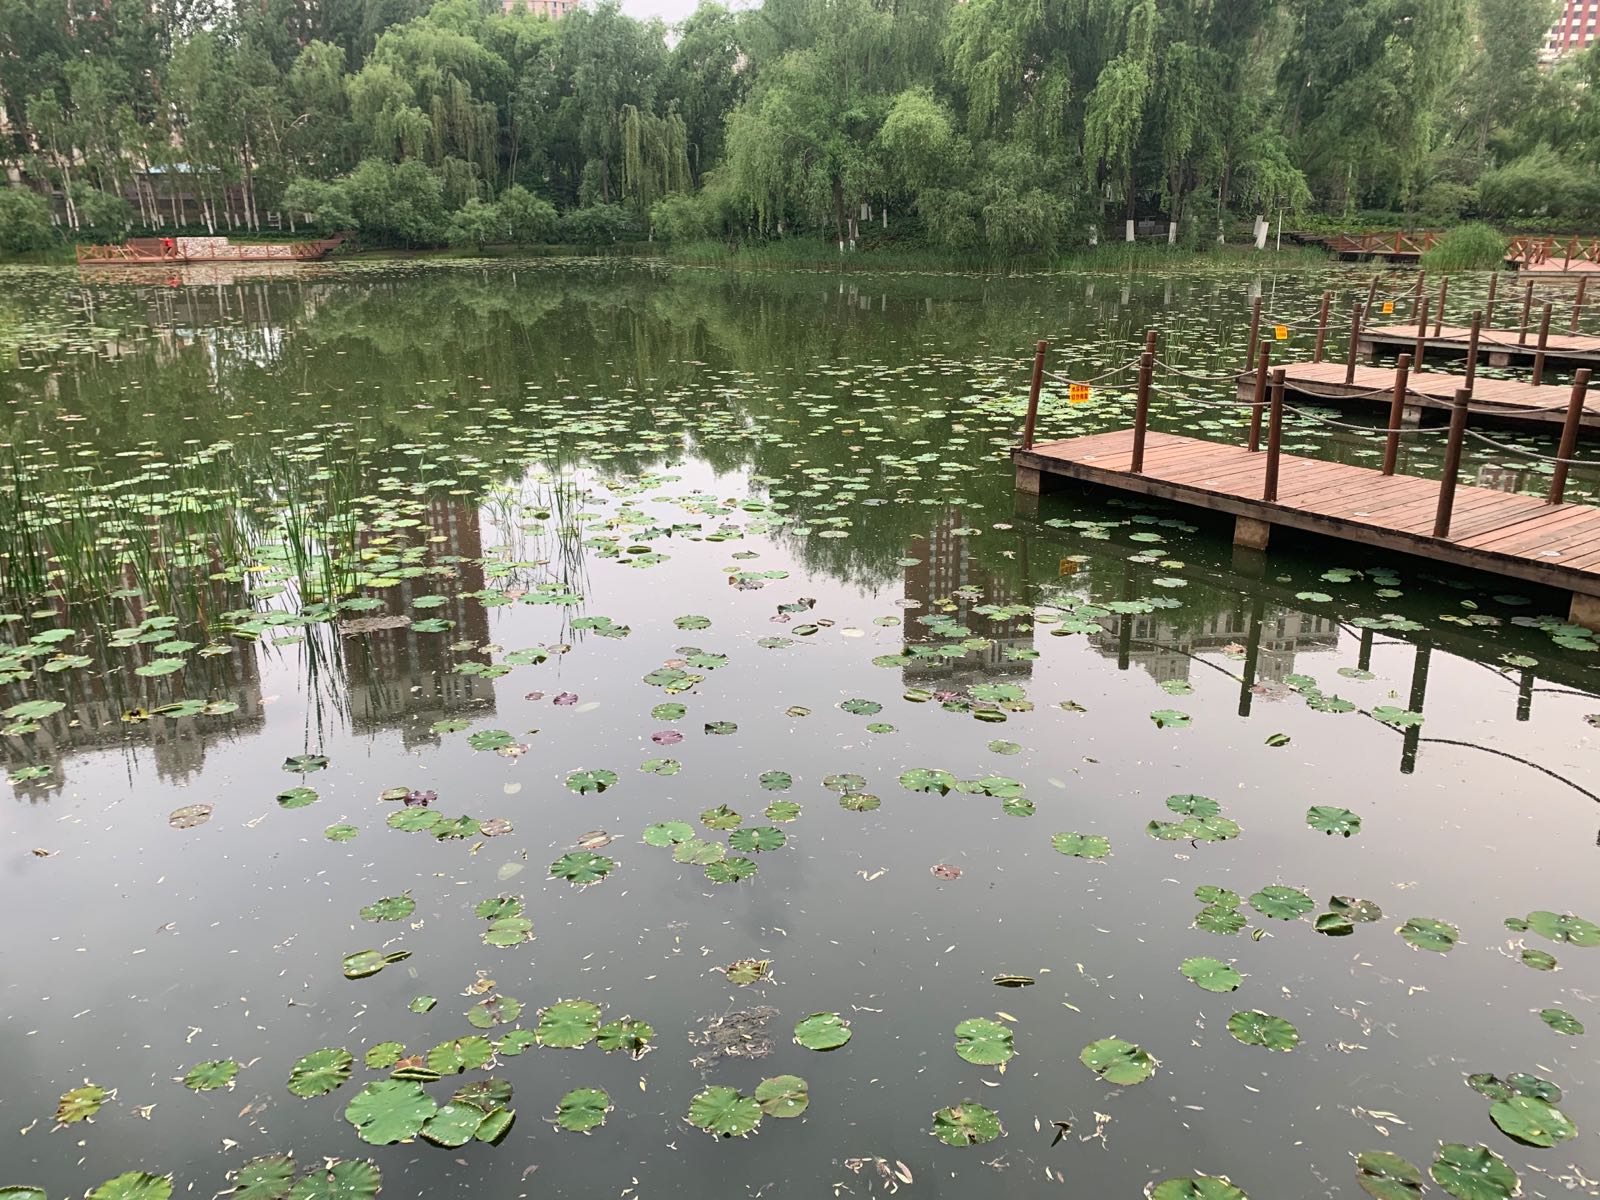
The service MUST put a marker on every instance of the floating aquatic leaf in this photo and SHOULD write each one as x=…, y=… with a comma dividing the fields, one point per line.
x=1212, y=974
x=1281, y=903
x=1539, y=960
x=1387, y=1176
x=266, y=1178
x=383, y=1055
x=668, y=833
x=1474, y=1173
x=1197, y=1187
x=506, y=932
x=1209, y=894
x=494, y=1010
x=1194, y=829
x=783, y=1096
x=730, y=870
x=1564, y=927
x=583, y=1109
x=781, y=811
x=626, y=1034
x=584, y=782
x=422, y=1004
x=669, y=711
x=1170, y=718
x=462, y=1054
x=1330, y=820
x=1532, y=1121
x=390, y=908
x=1333, y=924
x=80, y=1104
x=924, y=779
x=1255, y=1028
x=757, y=839
x=1191, y=805
x=822, y=1031
x=1081, y=845
x=1360, y=911
x=453, y=1125
x=351, y=1179
x=33, y=710
x=776, y=781
x=966, y=1124
x=516, y=1042
x=490, y=739
x=582, y=867
x=1425, y=933
x=723, y=1111
x=319, y=1072
x=721, y=728
x=134, y=1185
x=846, y=783
x=1401, y=718
x=189, y=816
x=208, y=1076
x=746, y=971
x=363, y=963
x=297, y=797
x=1118, y=1062
x=1561, y=1021
x=389, y=1111
x=692, y=621
x=569, y=1024
x=720, y=817
x=1217, y=918
x=661, y=766
x=302, y=764
x=1013, y=981
x=698, y=852
x=984, y=1042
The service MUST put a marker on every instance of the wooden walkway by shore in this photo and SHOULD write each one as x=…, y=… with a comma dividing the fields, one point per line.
x=1499, y=347
x=1516, y=536
x=1510, y=402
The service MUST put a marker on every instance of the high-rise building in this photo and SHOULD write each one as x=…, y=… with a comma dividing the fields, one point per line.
x=541, y=8
x=1574, y=29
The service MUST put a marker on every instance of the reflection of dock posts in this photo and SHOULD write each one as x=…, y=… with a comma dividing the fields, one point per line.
x=1252, y=655
x=1525, y=695
x=1125, y=626
x=1419, y=689
x=1488, y=308
x=1364, y=657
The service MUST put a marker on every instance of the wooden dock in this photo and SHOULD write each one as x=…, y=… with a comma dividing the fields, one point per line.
x=1510, y=402
x=1499, y=347
x=1502, y=533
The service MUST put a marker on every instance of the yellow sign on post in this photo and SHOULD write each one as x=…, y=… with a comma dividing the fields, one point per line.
x=1281, y=332
x=1388, y=306
x=1078, y=393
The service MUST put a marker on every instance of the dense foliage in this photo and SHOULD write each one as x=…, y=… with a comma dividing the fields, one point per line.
x=1000, y=128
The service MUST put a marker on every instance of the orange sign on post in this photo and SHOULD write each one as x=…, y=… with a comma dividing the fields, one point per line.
x=1078, y=393
x=1388, y=306
x=1281, y=332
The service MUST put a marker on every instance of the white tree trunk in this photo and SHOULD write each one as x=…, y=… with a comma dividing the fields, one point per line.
x=1172, y=233
x=1128, y=235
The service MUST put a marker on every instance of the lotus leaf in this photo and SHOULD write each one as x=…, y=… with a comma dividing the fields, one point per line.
x=776, y=781
x=844, y=783
x=389, y=1111
x=1539, y=960
x=1081, y=845
x=413, y=820
x=582, y=867
x=1399, y=717
x=486, y=1093
x=267, y=1178
x=189, y=816
x=1360, y=911
x=1256, y=1028
x=698, y=852
x=80, y=1104
x=783, y=1096
x=668, y=833
x=1561, y=1021
x=319, y=1072
x=453, y=1125
x=669, y=712
x=569, y=1024
x=721, y=818
x=730, y=870
x=861, y=708
x=927, y=779
x=584, y=782
x=1197, y=1187
x=1189, y=805
x=1330, y=820
x=966, y=1124
x=1387, y=1176
x=516, y=1042
x=363, y=963
x=1532, y=1121
x=747, y=970
x=390, y=908
x=1212, y=974
x=822, y=1031
x=1281, y=903
x=859, y=802
x=494, y=1010
x=1333, y=924
x=1212, y=896
x=208, y=1076
x=303, y=764
x=1216, y=918
x=134, y=1185
x=661, y=766
x=384, y=1055
x=583, y=1109
x=1427, y=934
x=1194, y=829
x=781, y=811
x=1170, y=718
x=627, y=1035
x=1474, y=1173
x=1564, y=927
x=757, y=839
x=506, y=932
x=724, y=1112
x=422, y=1004
x=351, y=1179
x=721, y=728
x=1118, y=1062
x=493, y=1128
x=297, y=797
x=984, y=1042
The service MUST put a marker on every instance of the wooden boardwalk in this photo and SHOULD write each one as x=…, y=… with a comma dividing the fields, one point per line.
x=1516, y=536
x=1505, y=401
x=1499, y=347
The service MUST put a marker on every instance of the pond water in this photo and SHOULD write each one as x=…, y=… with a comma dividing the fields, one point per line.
x=589, y=549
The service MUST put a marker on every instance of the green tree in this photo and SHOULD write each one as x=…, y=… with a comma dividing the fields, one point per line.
x=24, y=221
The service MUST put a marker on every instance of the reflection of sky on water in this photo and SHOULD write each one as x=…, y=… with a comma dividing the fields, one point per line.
x=152, y=949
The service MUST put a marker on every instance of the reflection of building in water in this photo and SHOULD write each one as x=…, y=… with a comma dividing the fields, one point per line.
x=1163, y=649
x=948, y=581
x=398, y=677
x=1502, y=479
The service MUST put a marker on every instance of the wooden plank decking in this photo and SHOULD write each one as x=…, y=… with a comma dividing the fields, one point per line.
x=1516, y=536
x=1505, y=401
x=1498, y=347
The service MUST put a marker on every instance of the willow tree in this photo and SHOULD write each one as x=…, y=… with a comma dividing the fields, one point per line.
x=655, y=156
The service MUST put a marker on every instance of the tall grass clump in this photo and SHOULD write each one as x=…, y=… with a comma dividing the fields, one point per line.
x=1474, y=247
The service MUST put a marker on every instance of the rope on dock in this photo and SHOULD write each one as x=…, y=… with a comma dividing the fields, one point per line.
x=1117, y=370
x=1534, y=454
x=1231, y=377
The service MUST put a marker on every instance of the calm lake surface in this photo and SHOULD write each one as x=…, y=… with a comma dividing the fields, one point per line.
x=613, y=546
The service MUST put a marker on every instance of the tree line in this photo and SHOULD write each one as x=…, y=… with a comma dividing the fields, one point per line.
x=1001, y=128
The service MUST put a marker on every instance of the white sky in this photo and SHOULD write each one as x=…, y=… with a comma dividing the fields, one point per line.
x=670, y=11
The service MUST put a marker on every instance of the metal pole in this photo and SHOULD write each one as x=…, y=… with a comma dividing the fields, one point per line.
x=1527, y=307
x=1544, y=336
x=1033, y=395
x=1472, y=348
x=1438, y=316
x=1259, y=398
x=1255, y=329
x=1141, y=408
x=1488, y=309
x=1269, y=488
x=1577, y=303
x=1322, y=327
x=1355, y=338
x=1452, y=465
x=1422, y=337
x=1569, y=436
x=1397, y=409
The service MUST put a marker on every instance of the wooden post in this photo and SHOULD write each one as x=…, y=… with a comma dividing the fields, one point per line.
x=1269, y=487
x=1397, y=408
x=1322, y=327
x=1422, y=337
x=1438, y=316
x=1544, y=336
x=1527, y=307
x=1259, y=399
x=1141, y=407
x=1488, y=308
x=1569, y=436
x=1372, y=291
x=1355, y=339
x=1255, y=328
x=1577, y=303
x=1472, y=349
x=1452, y=465
x=1033, y=395
x=1416, y=295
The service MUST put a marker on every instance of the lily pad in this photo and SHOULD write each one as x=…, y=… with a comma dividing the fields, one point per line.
x=1425, y=933
x=1360, y=911
x=1532, y=1121
x=364, y=963
x=1539, y=960
x=1221, y=919
x=668, y=833
x=1197, y=1187
x=926, y=779
x=297, y=797
x=724, y=1112
x=390, y=908
x=984, y=1042
x=1255, y=1028
x=966, y=1124
x=782, y=811
x=266, y=1178
x=383, y=1055
x=493, y=1011
x=1564, y=927
x=389, y=1111
x=720, y=818
x=583, y=1109
x=1081, y=845
x=626, y=1034
x=461, y=1054
x=730, y=870
x=757, y=839
x=783, y=1096
x=1171, y=718
x=746, y=971
x=699, y=852
x=1387, y=1176
x=582, y=867
x=822, y=1031
x=453, y=1125
x=189, y=816
x=1329, y=820
x=209, y=1076
x=81, y=1103
x=351, y=1179
x=584, y=782
x=569, y=1024
x=134, y=1185
x=319, y=1072
x=1561, y=1021
x=1474, y=1173
x=1118, y=1062
x=304, y=764
x=776, y=781
x=1212, y=974
x=1281, y=903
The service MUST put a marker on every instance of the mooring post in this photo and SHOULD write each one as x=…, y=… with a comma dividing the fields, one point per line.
x=1397, y=409
x=1452, y=465
x=1472, y=349
x=1355, y=341
x=1538, y=353
x=1259, y=398
x=1438, y=316
x=1322, y=327
x=1372, y=291
x=1033, y=395
x=1255, y=329
x=1527, y=307
x=1141, y=407
x=1488, y=308
x=1422, y=337
x=1577, y=303
x=1269, y=487
x=1569, y=436
x=1416, y=294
